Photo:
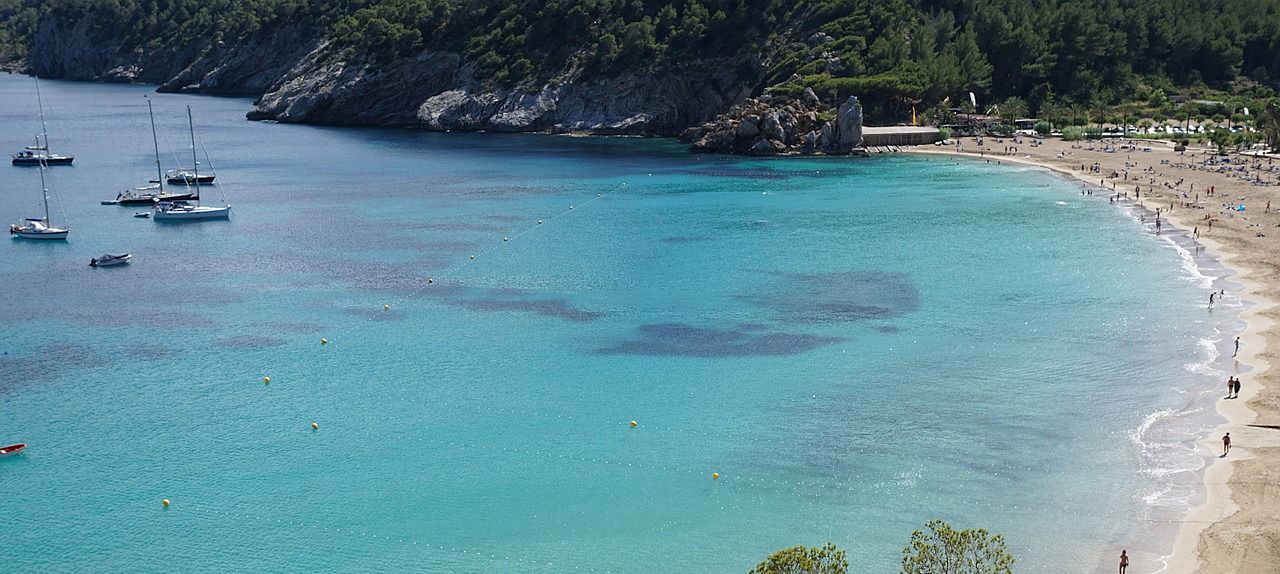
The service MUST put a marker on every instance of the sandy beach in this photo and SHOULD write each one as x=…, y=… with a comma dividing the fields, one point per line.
x=1235, y=530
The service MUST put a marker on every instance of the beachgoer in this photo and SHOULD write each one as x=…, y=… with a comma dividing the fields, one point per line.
x=1124, y=561
x=1237, y=347
x=1211, y=296
x=1231, y=386
x=1226, y=444
x=1236, y=394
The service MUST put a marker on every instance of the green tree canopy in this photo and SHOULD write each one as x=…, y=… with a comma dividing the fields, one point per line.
x=941, y=549
x=825, y=559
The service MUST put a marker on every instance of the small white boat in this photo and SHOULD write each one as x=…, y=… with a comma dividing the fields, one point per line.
x=107, y=260
x=37, y=229
x=142, y=214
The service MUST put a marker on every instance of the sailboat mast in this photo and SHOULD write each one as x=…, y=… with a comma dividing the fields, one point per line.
x=156, y=142
x=44, y=191
x=44, y=128
x=195, y=165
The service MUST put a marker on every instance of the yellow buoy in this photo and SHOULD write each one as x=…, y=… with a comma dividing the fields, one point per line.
x=324, y=341
x=315, y=426
x=386, y=307
x=165, y=502
x=633, y=424
x=715, y=476
x=266, y=380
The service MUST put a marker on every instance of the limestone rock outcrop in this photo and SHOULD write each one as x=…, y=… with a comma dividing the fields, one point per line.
x=776, y=124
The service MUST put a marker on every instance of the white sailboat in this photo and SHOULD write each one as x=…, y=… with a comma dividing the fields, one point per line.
x=39, y=154
x=39, y=228
x=190, y=211
x=147, y=195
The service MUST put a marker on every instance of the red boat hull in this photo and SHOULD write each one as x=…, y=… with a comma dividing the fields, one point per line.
x=13, y=448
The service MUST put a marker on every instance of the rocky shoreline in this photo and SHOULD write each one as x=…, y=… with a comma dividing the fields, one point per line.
x=298, y=78
x=771, y=125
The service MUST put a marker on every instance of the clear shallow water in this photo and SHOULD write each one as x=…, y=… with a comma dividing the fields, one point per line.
x=855, y=346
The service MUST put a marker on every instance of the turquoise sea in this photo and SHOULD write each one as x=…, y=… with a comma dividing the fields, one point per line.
x=855, y=346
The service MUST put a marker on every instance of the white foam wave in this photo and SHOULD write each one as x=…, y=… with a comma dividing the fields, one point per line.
x=1205, y=367
x=1193, y=273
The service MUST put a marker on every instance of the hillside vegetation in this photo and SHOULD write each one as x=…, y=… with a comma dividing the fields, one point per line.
x=894, y=54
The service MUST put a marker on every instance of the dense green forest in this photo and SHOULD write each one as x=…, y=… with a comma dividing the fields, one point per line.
x=893, y=53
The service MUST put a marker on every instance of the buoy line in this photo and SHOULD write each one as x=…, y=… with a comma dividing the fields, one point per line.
x=683, y=433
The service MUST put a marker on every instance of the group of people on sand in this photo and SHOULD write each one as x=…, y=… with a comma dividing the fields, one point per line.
x=1233, y=387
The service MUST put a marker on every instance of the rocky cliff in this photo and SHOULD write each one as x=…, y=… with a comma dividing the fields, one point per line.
x=78, y=50
x=441, y=91
x=300, y=79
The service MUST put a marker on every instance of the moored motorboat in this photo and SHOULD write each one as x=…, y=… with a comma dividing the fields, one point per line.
x=142, y=214
x=108, y=259
x=12, y=449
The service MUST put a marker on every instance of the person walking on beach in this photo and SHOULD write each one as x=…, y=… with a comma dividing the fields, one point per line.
x=1124, y=561
x=1211, y=296
x=1237, y=347
x=1226, y=444
x=1231, y=386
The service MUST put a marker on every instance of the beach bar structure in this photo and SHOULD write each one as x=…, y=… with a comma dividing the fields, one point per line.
x=899, y=136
